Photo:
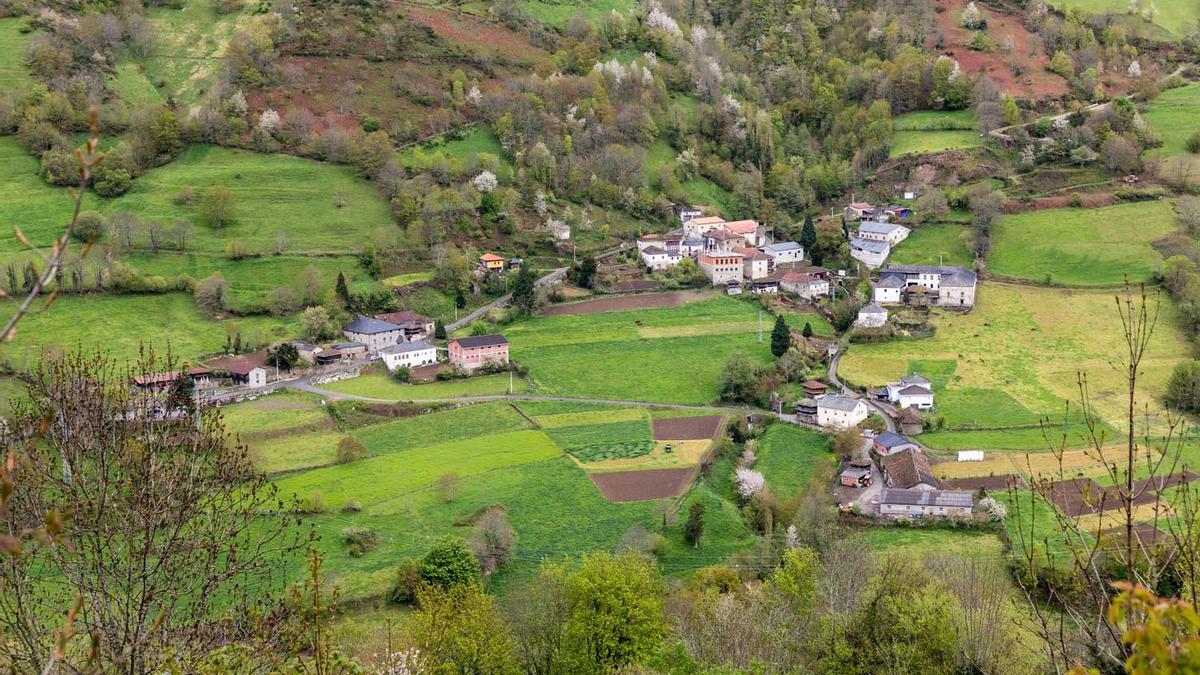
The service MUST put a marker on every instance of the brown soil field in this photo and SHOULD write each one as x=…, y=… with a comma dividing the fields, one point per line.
x=687, y=428
x=627, y=302
x=991, y=483
x=632, y=486
x=635, y=286
x=1083, y=496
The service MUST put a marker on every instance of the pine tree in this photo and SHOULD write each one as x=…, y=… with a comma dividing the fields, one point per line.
x=781, y=337
x=524, y=295
x=693, y=529
x=439, y=330
x=808, y=235
x=808, y=331
x=343, y=292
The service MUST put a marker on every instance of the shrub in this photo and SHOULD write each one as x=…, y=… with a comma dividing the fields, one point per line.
x=408, y=580
x=350, y=449
x=61, y=167
x=185, y=196
x=88, y=228
x=352, y=506
x=216, y=208
x=314, y=502
x=212, y=293
x=360, y=540
x=111, y=182
x=1192, y=144
x=403, y=373
x=719, y=578
x=449, y=563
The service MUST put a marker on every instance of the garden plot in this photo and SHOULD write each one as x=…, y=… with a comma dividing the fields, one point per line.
x=631, y=486
x=687, y=428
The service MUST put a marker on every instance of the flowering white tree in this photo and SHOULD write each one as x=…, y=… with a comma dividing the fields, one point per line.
x=539, y=203
x=995, y=509
x=485, y=182
x=237, y=103
x=793, y=537
x=268, y=121
x=972, y=17
x=1135, y=68
x=474, y=96
x=749, y=482
x=612, y=67
x=657, y=19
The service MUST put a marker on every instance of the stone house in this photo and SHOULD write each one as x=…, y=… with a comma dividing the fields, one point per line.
x=872, y=316
x=932, y=503
x=835, y=411
x=373, y=333
x=869, y=252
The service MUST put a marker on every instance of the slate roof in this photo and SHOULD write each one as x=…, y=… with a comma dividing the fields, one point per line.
x=959, y=498
x=722, y=234
x=401, y=318
x=405, y=347
x=780, y=247
x=838, y=402
x=875, y=227
x=891, y=439
x=869, y=245
x=480, y=341
x=654, y=250
x=365, y=325
x=914, y=379
x=915, y=390
x=891, y=281
x=908, y=468
x=951, y=276
x=873, y=308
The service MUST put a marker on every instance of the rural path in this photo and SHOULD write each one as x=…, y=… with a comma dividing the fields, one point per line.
x=550, y=277
x=833, y=379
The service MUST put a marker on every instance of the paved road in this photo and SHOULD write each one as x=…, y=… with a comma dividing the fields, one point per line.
x=833, y=378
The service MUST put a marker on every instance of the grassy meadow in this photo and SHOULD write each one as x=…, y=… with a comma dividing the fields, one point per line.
x=928, y=142
x=1175, y=16
x=384, y=386
x=1014, y=359
x=671, y=355
x=189, y=47
x=1175, y=115
x=789, y=456
x=14, y=75
x=935, y=244
x=1082, y=246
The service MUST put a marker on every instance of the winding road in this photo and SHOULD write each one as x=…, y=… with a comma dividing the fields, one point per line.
x=833, y=379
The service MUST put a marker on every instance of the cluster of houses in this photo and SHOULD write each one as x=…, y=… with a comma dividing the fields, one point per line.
x=735, y=254
x=400, y=339
x=910, y=488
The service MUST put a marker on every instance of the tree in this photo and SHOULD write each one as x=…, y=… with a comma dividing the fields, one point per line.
x=537, y=613
x=449, y=486
x=342, y=291
x=739, y=377
x=844, y=312
x=284, y=356
x=211, y=293
x=459, y=630
x=439, y=329
x=616, y=612
x=162, y=528
x=988, y=99
x=807, y=332
x=781, y=337
x=350, y=449
x=89, y=227
x=846, y=443
x=583, y=275
x=449, y=563
x=524, y=295
x=492, y=540
x=1183, y=388
x=317, y=323
x=808, y=235
x=1192, y=144
x=402, y=374
x=693, y=528
x=1121, y=154
x=216, y=208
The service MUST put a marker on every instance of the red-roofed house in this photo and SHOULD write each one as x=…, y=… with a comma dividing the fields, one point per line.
x=858, y=210
x=755, y=263
x=491, y=262
x=747, y=229
x=696, y=227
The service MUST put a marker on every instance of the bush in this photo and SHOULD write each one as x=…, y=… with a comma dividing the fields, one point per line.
x=61, y=167
x=360, y=539
x=352, y=506
x=408, y=580
x=314, y=502
x=403, y=374
x=111, y=182
x=1192, y=144
x=350, y=449
x=88, y=228
x=216, y=208
x=449, y=563
x=211, y=294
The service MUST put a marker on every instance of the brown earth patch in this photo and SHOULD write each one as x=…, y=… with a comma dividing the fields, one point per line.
x=649, y=301
x=635, y=286
x=475, y=34
x=1084, y=496
x=254, y=436
x=1146, y=533
x=632, y=486
x=991, y=483
x=1060, y=201
x=687, y=428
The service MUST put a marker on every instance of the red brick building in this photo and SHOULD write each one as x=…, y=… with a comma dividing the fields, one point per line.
x=472, y=353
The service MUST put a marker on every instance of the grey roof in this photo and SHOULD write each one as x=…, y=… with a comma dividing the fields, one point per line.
x=951, y=276
x=915, y=378
x=958, y=498
x=875, y=227
x=872, y=308
x=891, y=439
x=780, y=247
x=838, y=402
x=654, y=250
x=481, y=341
x=891, y=281
x=365, y=325
x=915, y=390
x=405, y=347
x=349, y=345
x=869, y=245
x=693, y=242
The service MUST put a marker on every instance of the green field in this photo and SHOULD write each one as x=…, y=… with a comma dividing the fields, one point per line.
x=189, y=45
x=381, y=386
x=557, y=14
x=618, y=439
x=130, y=84
x=1082, y=246
x=1175, y=115
x=1176, y=16
x=14, y=75
x=1016, y=356
x=788, y=456
x=928, y=142
x=475, y=141
x=638, y=355
x=120, y=325
x=936, y=244
x=936, y=120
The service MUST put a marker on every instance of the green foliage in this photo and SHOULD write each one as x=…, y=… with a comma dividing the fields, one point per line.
x=616, y=612
x=781, y=337
x=693, y=529
x=450, y=563
x=807, y=332
x=350, y=449
x=360, y=540
x=89, y=227
x=1183, y=389
x=1192, y=144
x=408, y=581
x=216, y=208
x=458, y=629
x=524, y=294
x=739, y=377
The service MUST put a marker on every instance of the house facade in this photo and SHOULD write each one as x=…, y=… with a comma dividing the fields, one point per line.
x=804, y=285
x=409, y=355
x=473, y=353
x=659, y=259
x=857, y=210
x=721, y=268
x=413, y=326
x=892, y=233
x=835, y=411
x=932, y=503
x=783, y=252
x=942, y=285
x=697, y=227
x=686, y=212
x=912, y=391
x=890, y=443
x=872, y=316
x=373, y=333
x=889, y=291
x=748, y=230
x=869, y=252
x=755, y=263
x=490, y=262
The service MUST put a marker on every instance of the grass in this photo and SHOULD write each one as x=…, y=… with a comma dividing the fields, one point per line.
x=1082, y=246
x=926, y=142
x=1175, y=115
x=681, y=455
x=121, y=325
x=252, y=280
x=440, y=427
x=14, y=75
x=408, y=278
x=622, y=363
x=1028, y=343
x=588, y=417
x=936, y=244
x=1176, y=16
x=282, y=410
x=474, y=142
x=381, y=386
x=796, y=320
x=611, y=440
x=129, y=82
x=923, y=541
x=788, y=456
x=936, y=120
x=189, y=46
x=557, y=14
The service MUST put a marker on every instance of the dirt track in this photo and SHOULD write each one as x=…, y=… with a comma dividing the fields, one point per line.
x=626, y=302
x=632, y=486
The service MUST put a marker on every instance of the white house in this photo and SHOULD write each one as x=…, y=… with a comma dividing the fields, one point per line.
x=946, y=285
x=409, y=355
x=783, y=252
x=872, y=316
x=805, y=285
x=869, y=252
x=889, y=291
x=857, y=210
x=935, y=503
x=839, y=412
x=755, y=263
x=912, y=391
x=721, y=267
x=659, y=259
x=373, y=333
x=892, y=233
x=694, y=228
x=686, y=212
